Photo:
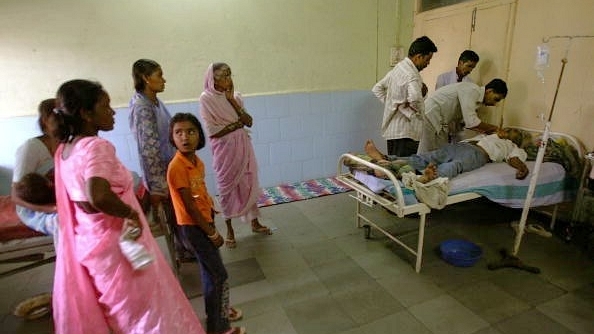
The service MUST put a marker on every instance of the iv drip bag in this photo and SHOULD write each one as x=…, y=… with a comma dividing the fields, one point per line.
x=542, y=57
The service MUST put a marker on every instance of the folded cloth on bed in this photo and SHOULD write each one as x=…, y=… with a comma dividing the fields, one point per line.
x=433, y=193
x=397, y=168
x=379, y=185
x=372, y=182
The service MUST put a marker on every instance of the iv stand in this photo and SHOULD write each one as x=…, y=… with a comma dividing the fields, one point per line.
x=539, y=157
x=511, y=260
x=542, y=147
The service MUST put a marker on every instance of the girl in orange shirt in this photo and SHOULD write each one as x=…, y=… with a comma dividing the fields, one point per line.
x=195, y=212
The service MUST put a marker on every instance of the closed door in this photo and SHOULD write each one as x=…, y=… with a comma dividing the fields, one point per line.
x=484, y=27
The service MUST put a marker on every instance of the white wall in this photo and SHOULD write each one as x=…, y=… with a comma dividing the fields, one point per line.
x=273, y=46
x=306, y=67
x=529, y=97
x=296, y=136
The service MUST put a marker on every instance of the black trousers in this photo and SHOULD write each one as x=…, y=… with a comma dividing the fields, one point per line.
x=403, y=147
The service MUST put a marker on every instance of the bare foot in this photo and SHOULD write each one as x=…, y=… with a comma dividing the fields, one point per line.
x=429, y=174
x=379, y=174
x=372, y=151
x=385, y=164
x=230, y=239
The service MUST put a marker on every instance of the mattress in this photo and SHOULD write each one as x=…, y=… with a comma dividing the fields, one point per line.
x=10, y=225
x=497, y=182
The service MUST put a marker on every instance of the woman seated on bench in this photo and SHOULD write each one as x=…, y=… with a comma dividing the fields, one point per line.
x=36, y=155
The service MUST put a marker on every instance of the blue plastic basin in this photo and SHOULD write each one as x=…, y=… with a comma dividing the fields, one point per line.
x=460, y=253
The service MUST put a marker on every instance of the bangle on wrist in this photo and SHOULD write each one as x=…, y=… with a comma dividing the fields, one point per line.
x=213, y=236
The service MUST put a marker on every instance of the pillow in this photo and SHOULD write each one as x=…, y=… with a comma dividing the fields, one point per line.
x=558, y=150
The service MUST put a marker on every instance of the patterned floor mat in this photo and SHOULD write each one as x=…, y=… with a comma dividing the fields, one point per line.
x=298, y=191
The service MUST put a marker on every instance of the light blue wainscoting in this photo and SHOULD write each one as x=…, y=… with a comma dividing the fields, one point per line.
x=296, y=136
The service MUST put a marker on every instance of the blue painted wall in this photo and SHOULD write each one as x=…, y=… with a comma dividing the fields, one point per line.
x=296, y=136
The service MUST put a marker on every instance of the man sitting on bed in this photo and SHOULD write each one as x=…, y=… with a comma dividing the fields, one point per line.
x=453, y=159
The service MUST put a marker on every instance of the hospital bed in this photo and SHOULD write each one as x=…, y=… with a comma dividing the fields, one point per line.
x=20, y=244
x=22, y=248
x=557, y=182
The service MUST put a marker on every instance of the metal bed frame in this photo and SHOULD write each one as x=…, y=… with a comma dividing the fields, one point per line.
x=395, y=204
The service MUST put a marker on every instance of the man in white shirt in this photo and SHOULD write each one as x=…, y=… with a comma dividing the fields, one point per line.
x=455, y=103
x=401, y=92
x=466, y=63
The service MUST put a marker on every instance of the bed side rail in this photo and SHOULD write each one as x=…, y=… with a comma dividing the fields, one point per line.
x=367, y=197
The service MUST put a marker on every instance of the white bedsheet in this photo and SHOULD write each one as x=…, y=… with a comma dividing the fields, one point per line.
x=498, y=183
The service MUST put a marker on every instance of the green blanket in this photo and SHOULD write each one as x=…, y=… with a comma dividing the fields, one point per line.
x=558, y=150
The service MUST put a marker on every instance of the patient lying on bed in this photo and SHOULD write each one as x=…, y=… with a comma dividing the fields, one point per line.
x=453, y=159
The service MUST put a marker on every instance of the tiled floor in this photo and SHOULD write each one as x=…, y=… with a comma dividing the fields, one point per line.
x=318, y=275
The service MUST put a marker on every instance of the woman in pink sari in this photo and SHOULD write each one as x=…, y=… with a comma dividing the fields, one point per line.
x=96, y=289
x=234, y=160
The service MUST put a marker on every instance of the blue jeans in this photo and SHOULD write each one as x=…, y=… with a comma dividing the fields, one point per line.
x=214, y=277
x=451, y=159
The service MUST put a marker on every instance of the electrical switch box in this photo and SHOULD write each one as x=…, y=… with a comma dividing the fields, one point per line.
x=396, y=54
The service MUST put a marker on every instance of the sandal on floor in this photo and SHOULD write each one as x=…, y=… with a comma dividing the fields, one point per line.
x=235, y=314
x=261, y=229
x=230, y=243
x=236, y=330
x=532, y=228
x=34, y=307
x=537, y=229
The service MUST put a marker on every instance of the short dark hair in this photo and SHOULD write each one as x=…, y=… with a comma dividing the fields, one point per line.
x=73, y=97
x=498, y=86
x=187, y=117
x=46, y=110
x=422, y=45
x=140, y=68
x=469, y=55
